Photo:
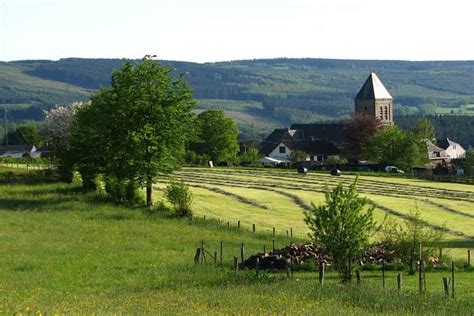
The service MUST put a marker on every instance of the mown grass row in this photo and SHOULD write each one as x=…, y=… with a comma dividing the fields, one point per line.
x=382, y=202
x=428, y=188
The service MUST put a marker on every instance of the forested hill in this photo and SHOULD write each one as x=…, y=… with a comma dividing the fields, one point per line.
x=262, y=92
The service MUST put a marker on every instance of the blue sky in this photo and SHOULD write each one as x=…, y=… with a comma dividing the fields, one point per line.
x=212, y=30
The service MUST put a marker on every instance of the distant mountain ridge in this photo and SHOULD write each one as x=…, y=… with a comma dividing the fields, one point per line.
x=260, y=94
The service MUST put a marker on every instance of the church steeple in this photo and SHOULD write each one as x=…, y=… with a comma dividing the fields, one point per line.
x=374, y=99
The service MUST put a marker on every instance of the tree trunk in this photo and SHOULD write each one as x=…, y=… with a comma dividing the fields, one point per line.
x=149, y=193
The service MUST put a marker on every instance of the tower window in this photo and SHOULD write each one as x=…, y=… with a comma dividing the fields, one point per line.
x=381, y=113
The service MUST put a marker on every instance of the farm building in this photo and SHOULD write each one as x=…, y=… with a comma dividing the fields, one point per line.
x=322, y=140
x=444, y=151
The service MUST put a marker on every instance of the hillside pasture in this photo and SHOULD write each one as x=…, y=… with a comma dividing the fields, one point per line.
x=65, y=251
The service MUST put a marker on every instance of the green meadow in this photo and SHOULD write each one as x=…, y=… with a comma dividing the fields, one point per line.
x=66, y=251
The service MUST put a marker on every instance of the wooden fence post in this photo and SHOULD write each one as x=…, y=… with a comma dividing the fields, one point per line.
x=197, y=256
x=469, y=257
x=228, y=225
x=202, y=251
x=424, y=276
x=273, y=245
x=358, y=276
x=291, y=232
x=321, y=272
x=399, y=281
x=420, y=277
x=215, y=257
x=242, y=253
x=235, y=264
x=253, y=228
x=257, y=266
x=452, y=279
x=273, y=231
x=383, y=274
x=446, y=286
x=221, y=255
x=238, y=224
x=264, y=250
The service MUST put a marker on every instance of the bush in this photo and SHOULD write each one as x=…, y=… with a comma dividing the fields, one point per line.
x=348, y=217
x=178, y=194
x=123, y=190
x=405, y=240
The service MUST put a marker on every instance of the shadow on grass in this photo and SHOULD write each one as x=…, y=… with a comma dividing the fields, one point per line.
x=464, y=243
x=31, y=204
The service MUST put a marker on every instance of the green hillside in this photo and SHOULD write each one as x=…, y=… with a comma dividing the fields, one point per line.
x=260, y=94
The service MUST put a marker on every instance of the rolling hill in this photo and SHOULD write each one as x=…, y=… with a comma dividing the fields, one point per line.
x=260, y=94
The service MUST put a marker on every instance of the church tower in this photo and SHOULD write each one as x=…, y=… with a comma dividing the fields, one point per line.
x=373, y=99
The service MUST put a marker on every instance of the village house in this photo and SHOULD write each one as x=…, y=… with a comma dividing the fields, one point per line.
x=323, y=140
x=444, y=151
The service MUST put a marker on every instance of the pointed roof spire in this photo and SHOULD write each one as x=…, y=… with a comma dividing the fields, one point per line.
x=373, y=89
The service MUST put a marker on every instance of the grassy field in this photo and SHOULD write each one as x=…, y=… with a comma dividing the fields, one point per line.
x=281, y=196
x=64, y=251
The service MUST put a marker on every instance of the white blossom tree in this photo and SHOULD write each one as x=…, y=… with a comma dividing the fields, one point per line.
x=57, y=131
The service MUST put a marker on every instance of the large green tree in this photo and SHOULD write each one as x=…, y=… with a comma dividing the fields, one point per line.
x=392, y=146
x=137, y=128
x=216, y=136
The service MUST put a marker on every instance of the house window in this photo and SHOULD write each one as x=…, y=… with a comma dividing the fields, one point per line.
x=381, y=113
x=386, y=112
x=282, y=150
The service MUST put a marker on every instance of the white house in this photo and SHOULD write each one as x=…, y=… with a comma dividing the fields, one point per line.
x=444, y=151
x=317, y=150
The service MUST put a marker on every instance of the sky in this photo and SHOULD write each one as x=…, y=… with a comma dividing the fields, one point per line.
x=222, y=30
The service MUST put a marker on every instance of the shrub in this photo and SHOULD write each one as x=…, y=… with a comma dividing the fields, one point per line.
x=405, y=240
x=341, y=227
x=179, y=195
x=123, y=190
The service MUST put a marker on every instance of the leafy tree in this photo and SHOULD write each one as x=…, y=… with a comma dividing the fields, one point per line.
x=392, y=146
x=424, y=129
x=298, y=155
x=25, y=134
x=405, y=240
x=178, y=194
x=342, y=227
x=357, y=132
x=216, y=136
x=335, y=160
x=56, y=129
x=137, y=128
x=250, y=155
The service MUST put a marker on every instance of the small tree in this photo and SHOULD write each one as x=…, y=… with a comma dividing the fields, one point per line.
x=405, y=240
x=178, y=194
x=56, y=128
x=342, y=227
x=251, y=155
x=298, y=155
